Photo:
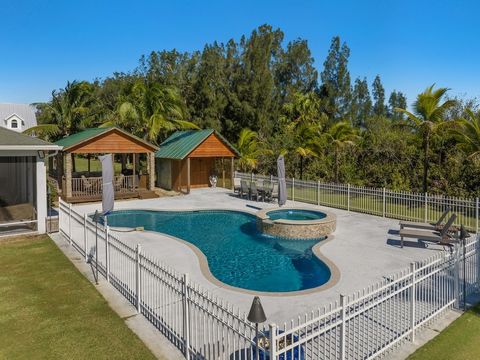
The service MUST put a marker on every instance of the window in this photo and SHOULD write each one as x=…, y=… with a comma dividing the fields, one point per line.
x=14, y=124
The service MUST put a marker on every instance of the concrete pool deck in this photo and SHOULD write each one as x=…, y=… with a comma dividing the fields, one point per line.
x=364, y=249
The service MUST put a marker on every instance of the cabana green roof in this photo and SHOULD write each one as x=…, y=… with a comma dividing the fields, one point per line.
x=91, y=133
x=181, y=143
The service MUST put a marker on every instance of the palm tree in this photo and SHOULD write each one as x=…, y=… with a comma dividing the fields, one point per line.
x=428, y=115
x=151, y=111
x=248, y=145
x=467, y=133
x=306, y=143
x=67, y=112
x=340, y=135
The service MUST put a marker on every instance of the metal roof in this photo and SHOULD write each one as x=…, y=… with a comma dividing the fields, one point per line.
x=181, y=143
x=26, y=112
x=12, y=140
x=88, y=134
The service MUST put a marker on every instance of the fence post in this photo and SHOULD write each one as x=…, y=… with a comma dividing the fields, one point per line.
x=107, y=250
x=476, y=215
x=426, y=207
x=478, y=262
x=348, y=197
x=456, y=275
x=293, y=189
x=271, y=178
x=186, y=317
x=251, y=176
x=343, y=331
x=318, y=192
x=412, y=302
x=384, y=203
x=85, y=234
x=273, y=341
x=70, y=223
x=137, y=278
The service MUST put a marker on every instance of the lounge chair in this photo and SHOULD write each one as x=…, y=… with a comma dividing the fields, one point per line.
x=86, y=184
x=425, y=226
x=274, y=193
x=244, y=189
x=441, y=237
x=236, y=185
x=119, y=182
x=254, y=193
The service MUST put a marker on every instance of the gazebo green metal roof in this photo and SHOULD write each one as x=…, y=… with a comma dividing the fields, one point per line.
x=87, y=134
x=181, y=143
x=81, y=136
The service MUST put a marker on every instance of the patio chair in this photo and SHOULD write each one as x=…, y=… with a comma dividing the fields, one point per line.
x=254, y=193
x=441, y=237
x=86, y=184
x=267, y=190
x=274, y=193
x=244, y=189
x=237, y=185
x=119, y=182
x=426, y=226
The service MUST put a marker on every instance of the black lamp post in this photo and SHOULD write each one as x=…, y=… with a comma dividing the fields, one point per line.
x=257, y=316
x=96, y=218
x=463, y=237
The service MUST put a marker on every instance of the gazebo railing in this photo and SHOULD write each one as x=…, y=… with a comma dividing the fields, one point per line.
x=92, y=186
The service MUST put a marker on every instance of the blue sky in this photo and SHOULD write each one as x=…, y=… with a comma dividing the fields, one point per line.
x=411, y=44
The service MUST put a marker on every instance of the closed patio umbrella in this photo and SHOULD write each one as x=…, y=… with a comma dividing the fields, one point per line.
x=282, y=185
x=107, y=183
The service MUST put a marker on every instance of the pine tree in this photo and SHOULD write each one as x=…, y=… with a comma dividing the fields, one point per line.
x=378, y=91
x=361, y=103
x=335, y=77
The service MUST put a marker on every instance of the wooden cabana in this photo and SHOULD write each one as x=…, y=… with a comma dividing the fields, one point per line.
x=187, y=159
x=81, y=184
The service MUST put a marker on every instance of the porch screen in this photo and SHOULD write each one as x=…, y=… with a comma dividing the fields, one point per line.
x=17, y=193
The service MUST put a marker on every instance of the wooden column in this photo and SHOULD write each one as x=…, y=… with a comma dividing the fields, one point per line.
x=188, y=175
x=88, y=157
x=223, y=173
x=232, y=171
x=68, y=175
x=151, y=170
x=133, y=173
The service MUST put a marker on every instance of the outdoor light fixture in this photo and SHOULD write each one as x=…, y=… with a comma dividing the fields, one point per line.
x=257, y=316
x=463, y=238
x=96, y=218
x=41, y=154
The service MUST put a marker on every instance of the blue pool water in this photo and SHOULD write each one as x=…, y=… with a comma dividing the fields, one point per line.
x=237, y=253
x=296, y=214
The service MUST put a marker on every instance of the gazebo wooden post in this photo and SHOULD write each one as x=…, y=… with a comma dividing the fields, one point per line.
x=223, y=173
x=188, y=175
x=68, y=175
x=232, y=171
x=151, y=170
x=134, y=170
x=88, y=157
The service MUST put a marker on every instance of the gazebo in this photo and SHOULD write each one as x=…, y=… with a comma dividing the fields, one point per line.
x=187, y=159
x=80, y=184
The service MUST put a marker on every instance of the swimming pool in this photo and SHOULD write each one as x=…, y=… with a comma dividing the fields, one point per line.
x=237, y=253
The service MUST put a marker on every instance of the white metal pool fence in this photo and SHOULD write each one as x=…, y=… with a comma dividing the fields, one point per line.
x=402, y=205
x=366, y=324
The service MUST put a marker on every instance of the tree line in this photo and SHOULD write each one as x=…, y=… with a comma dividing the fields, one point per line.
x=269, y=98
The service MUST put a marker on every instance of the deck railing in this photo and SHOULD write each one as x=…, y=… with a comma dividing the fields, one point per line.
x=92, y=186
x=402, y=205
x=363, y=325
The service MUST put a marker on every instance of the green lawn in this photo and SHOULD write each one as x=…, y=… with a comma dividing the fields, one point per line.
x=49, y=310
x=460, y=340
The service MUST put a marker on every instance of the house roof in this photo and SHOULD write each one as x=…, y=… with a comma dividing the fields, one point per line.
x=24, y=111
x=12, y=140
x=181, y=143
x=89, y=134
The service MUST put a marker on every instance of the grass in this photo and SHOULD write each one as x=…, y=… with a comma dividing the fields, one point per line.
x=81, y=164
x=460, y=340
x=49, y=310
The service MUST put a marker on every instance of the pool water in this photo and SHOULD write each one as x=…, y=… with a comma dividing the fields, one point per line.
x=296, y=214
x=237, y=253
